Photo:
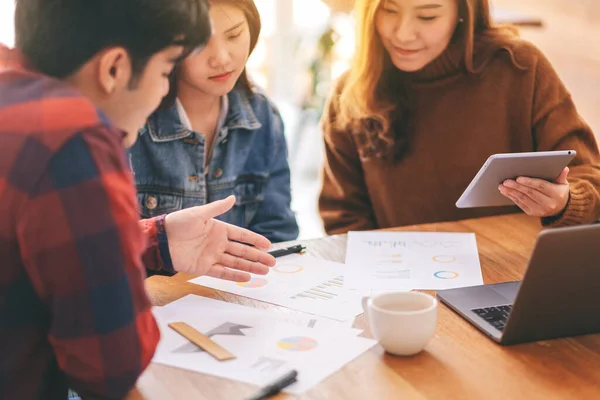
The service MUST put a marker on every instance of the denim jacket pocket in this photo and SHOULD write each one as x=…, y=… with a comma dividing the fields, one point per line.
x=153, y=204
x=249, y=189
x=249, y=192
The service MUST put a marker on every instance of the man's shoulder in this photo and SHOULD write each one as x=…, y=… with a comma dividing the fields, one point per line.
x=41, y=107
x=39, y=116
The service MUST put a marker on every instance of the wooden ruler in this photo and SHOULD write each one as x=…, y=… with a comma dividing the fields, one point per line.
x=202, y=341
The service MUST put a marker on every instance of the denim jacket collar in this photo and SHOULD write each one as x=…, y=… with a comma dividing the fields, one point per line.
x=166, y=125
x=241, y=114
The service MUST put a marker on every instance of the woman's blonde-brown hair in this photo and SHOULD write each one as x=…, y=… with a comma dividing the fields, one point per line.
x=363, y=103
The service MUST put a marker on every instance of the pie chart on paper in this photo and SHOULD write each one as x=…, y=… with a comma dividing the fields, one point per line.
x=254, y=283
x=297, y=343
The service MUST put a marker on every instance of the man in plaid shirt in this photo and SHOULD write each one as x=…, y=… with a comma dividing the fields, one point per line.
x=73, y=312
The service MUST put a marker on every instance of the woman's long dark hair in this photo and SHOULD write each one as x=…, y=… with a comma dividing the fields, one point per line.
x=248, y=7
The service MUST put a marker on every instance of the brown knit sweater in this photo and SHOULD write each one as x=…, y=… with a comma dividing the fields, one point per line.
x=515, y=102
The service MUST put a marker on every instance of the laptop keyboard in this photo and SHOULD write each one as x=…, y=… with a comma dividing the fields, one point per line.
x=495, y=316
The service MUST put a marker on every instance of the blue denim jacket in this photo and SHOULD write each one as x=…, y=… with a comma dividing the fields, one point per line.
x=249, y=160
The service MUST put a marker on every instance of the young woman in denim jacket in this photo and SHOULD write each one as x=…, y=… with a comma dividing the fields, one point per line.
x=216, y=135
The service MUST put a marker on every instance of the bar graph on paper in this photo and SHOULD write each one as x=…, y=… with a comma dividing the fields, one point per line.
x=325, y=291
x=330, y=299
x=299, y=282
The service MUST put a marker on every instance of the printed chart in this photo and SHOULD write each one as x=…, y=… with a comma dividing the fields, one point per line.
x=300, y=282
x=265, y=346
x=298, y=343
x=325, y=291
x=254, y=283
x=411, y=260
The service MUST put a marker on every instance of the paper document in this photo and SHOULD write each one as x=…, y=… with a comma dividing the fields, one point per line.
x=299, y=282
x=411, y=260
x=189, y=304
x=265, y=346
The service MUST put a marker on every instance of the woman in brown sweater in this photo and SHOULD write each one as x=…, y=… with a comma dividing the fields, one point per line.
x=434, y=90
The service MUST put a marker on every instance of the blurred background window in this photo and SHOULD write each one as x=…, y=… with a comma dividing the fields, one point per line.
x=7, y=10
x=306, y=44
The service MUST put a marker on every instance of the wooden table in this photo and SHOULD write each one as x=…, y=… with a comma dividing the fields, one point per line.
x=458, y=363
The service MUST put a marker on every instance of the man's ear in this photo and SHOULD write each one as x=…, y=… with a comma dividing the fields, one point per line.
x=114, y=69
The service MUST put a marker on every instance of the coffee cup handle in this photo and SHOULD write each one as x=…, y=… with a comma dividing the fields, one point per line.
x=366, y=302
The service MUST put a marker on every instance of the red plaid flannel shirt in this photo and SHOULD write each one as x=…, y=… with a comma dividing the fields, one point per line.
x=73, y=310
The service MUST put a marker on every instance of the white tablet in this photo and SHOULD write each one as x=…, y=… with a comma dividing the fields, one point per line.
x=483, y=189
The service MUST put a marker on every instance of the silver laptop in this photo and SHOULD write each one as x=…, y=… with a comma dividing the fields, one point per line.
x=558, y=297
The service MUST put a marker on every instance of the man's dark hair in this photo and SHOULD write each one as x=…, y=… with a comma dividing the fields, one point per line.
x=58, y=37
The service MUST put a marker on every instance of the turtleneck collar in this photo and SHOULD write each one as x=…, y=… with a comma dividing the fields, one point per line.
x=452, y=61
x=447, y=64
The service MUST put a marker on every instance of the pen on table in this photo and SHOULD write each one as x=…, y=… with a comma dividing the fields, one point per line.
x=276, y=386
x=288, y=250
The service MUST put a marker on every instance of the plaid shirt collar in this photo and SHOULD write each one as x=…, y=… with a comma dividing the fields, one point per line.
x=11, y=59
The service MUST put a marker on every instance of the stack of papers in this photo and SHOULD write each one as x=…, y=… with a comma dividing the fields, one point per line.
x=299, y=282
x=375, y=261
x=267, y=344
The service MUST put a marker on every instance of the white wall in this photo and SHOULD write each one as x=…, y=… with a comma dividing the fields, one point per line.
x=7, y=9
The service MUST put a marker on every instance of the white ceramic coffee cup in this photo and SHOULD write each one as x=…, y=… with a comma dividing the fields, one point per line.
x=402, y=322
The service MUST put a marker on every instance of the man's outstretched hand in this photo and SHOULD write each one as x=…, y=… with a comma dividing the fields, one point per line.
x=201, y=245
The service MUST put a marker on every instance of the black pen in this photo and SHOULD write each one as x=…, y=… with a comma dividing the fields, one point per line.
x=289, y=250
x=276, y=386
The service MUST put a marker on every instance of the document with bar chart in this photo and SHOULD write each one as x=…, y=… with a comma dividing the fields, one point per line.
x=299, y=282
x=411, y=260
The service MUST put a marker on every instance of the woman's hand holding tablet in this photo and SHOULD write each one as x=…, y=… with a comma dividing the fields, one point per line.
x=536, y=182
x=538, y=197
